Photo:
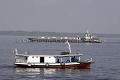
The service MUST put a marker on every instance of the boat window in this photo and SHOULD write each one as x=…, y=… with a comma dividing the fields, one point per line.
x=74, y=59
x=32, y=56
x=25, y=58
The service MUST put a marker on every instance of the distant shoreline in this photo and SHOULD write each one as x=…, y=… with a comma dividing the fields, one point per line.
x=37, y=33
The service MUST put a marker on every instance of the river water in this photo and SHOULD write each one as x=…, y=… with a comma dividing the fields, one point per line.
x=106, y=56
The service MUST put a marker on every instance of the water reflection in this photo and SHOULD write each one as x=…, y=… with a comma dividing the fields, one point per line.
x=51, y=71
x=51, y=74
x=35, y=70
x=20, y=70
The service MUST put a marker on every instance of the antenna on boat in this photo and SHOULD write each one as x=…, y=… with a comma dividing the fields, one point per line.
x=69, y=47
x=87, y=31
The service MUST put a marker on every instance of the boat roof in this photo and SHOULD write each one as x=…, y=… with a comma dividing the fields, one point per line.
x=68, y=55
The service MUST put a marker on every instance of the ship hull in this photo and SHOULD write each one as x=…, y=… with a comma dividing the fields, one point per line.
x=62, y=66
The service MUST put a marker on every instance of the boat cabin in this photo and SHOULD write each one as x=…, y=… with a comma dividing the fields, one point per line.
x=63, y=60
x=26, y=58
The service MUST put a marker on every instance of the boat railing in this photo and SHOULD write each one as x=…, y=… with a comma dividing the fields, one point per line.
x=20, y=61
x=87, y=60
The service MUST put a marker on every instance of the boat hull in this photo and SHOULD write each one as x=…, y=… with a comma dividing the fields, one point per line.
x=62, y=66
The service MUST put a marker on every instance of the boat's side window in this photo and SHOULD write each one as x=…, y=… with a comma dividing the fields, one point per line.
x=68, y=61
x=32, y=56
x=36, y=56
x=73, y=59
x=25, y=58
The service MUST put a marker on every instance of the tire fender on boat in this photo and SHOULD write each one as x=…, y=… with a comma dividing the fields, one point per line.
x=47, y=64
x=29, y=64
x=62, y=63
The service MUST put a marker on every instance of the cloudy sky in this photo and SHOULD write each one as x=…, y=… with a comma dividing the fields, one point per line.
x=97, y=16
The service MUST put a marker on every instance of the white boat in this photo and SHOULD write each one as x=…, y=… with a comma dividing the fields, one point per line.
x=88, y=38
x=64, y=60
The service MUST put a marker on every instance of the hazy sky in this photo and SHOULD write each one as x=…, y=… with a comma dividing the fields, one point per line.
x=97, y=16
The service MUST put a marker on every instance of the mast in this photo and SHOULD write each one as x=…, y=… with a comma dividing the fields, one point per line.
x=69, y=47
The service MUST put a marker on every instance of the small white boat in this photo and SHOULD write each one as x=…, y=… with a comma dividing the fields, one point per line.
x=64, y=60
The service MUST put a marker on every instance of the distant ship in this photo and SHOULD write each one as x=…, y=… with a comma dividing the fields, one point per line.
x=88, y=38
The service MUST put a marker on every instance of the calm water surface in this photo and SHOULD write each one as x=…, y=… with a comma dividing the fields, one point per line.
x=105, y=55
